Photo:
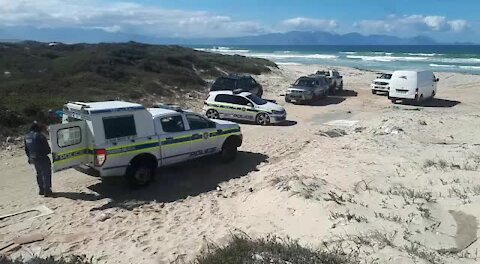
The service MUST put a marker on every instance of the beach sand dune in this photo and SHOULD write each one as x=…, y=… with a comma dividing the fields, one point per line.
x=402, y=184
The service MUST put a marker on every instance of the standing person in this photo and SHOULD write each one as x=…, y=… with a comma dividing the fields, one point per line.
x=37, y=150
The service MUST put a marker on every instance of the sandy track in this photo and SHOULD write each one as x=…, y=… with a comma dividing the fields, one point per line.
x=404, y=184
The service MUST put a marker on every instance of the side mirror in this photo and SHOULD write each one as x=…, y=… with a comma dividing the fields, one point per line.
x=250, y=104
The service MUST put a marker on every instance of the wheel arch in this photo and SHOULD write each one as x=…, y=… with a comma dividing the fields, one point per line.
x=148, y=157
x=236, y=140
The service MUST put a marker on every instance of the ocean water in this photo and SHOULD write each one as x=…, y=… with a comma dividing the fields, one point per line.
x=451, y=58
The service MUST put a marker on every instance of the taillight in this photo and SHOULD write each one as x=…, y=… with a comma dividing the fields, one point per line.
x=100, y=157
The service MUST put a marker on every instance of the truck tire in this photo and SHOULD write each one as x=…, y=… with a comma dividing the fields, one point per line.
x=332, y=90
x=229, y=151
x=374, y=92
x=341, y=86
x=262, y=119
x=419, y=100
x=140, y=172
x=212, y=114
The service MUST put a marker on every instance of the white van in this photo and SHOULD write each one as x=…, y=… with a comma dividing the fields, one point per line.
x=417, y=85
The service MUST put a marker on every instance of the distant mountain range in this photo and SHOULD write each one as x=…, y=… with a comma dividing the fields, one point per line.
x=69, y=35
x=319, y=38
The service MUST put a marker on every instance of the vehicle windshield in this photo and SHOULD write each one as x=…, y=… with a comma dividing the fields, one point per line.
x=385, y=76
x=326, y=73
x=305, y=82
x=257, y=100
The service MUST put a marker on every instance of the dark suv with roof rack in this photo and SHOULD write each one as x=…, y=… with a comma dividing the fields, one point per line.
x=239, y=82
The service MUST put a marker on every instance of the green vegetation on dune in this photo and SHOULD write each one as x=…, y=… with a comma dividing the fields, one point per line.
x=271, y=249
x=241, y=249
x=35, y=77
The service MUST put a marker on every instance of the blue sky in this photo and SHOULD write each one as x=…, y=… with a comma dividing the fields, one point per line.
x=444, y=20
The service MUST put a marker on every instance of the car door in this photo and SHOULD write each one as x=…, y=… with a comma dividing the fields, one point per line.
x=203, y=133
x=69, y=145
x=223, y=105
x=174, y=138
x=245, y=108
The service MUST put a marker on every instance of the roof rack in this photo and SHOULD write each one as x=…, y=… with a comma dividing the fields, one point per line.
x=81, y=104
x=173, y=107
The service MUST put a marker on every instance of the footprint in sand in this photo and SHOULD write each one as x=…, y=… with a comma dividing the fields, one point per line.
x=119, y=234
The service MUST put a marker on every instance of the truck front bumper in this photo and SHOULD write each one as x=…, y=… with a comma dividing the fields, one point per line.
x=274, y=119
x=300, y=97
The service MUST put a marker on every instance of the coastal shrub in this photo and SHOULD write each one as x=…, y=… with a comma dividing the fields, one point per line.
x=45, y=78
x=271, y=249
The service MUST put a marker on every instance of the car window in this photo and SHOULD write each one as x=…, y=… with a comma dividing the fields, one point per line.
x=172, y=124
x=304, y=82
x=119, y=126
x=240, y=100
x=257, y=100
x=225, y=98
x=231, y=99
x=197, y=122
x=385, y=76
x=244, y=83
x=223, y=84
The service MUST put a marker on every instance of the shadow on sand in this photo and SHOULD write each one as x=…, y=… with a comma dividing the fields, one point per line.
x=334, y=99
x=172, y=183
x=435, y=102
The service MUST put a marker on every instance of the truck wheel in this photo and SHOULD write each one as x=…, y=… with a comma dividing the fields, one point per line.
x=229, y=151
x=212, y=114
x=374, y=92
x=341, y=86
x=333, y=90
x=140, y=173
x=262, y=119
x=323, y=95
x=419, y=100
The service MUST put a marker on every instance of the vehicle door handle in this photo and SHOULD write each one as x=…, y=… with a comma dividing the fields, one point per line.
x=169, y=138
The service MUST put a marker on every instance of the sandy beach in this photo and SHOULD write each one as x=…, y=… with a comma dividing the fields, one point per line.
x=401, y=185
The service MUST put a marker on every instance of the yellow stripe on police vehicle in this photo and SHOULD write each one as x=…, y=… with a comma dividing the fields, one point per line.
x=116, y=138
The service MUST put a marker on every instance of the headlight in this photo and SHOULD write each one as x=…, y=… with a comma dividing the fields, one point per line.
x=277, y=112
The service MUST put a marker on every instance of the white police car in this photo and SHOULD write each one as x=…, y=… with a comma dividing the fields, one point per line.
x=117, y=138
x=243, y=106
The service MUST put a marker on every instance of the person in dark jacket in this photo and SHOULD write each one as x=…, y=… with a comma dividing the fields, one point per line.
x=37, y=150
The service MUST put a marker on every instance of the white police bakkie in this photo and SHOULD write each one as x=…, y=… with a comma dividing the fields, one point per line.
x=243, y=106
x=117, y=138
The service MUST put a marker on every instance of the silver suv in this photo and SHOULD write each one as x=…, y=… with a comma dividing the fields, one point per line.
x=307, y=88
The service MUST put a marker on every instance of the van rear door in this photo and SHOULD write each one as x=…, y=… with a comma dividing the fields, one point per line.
x=69, y=145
